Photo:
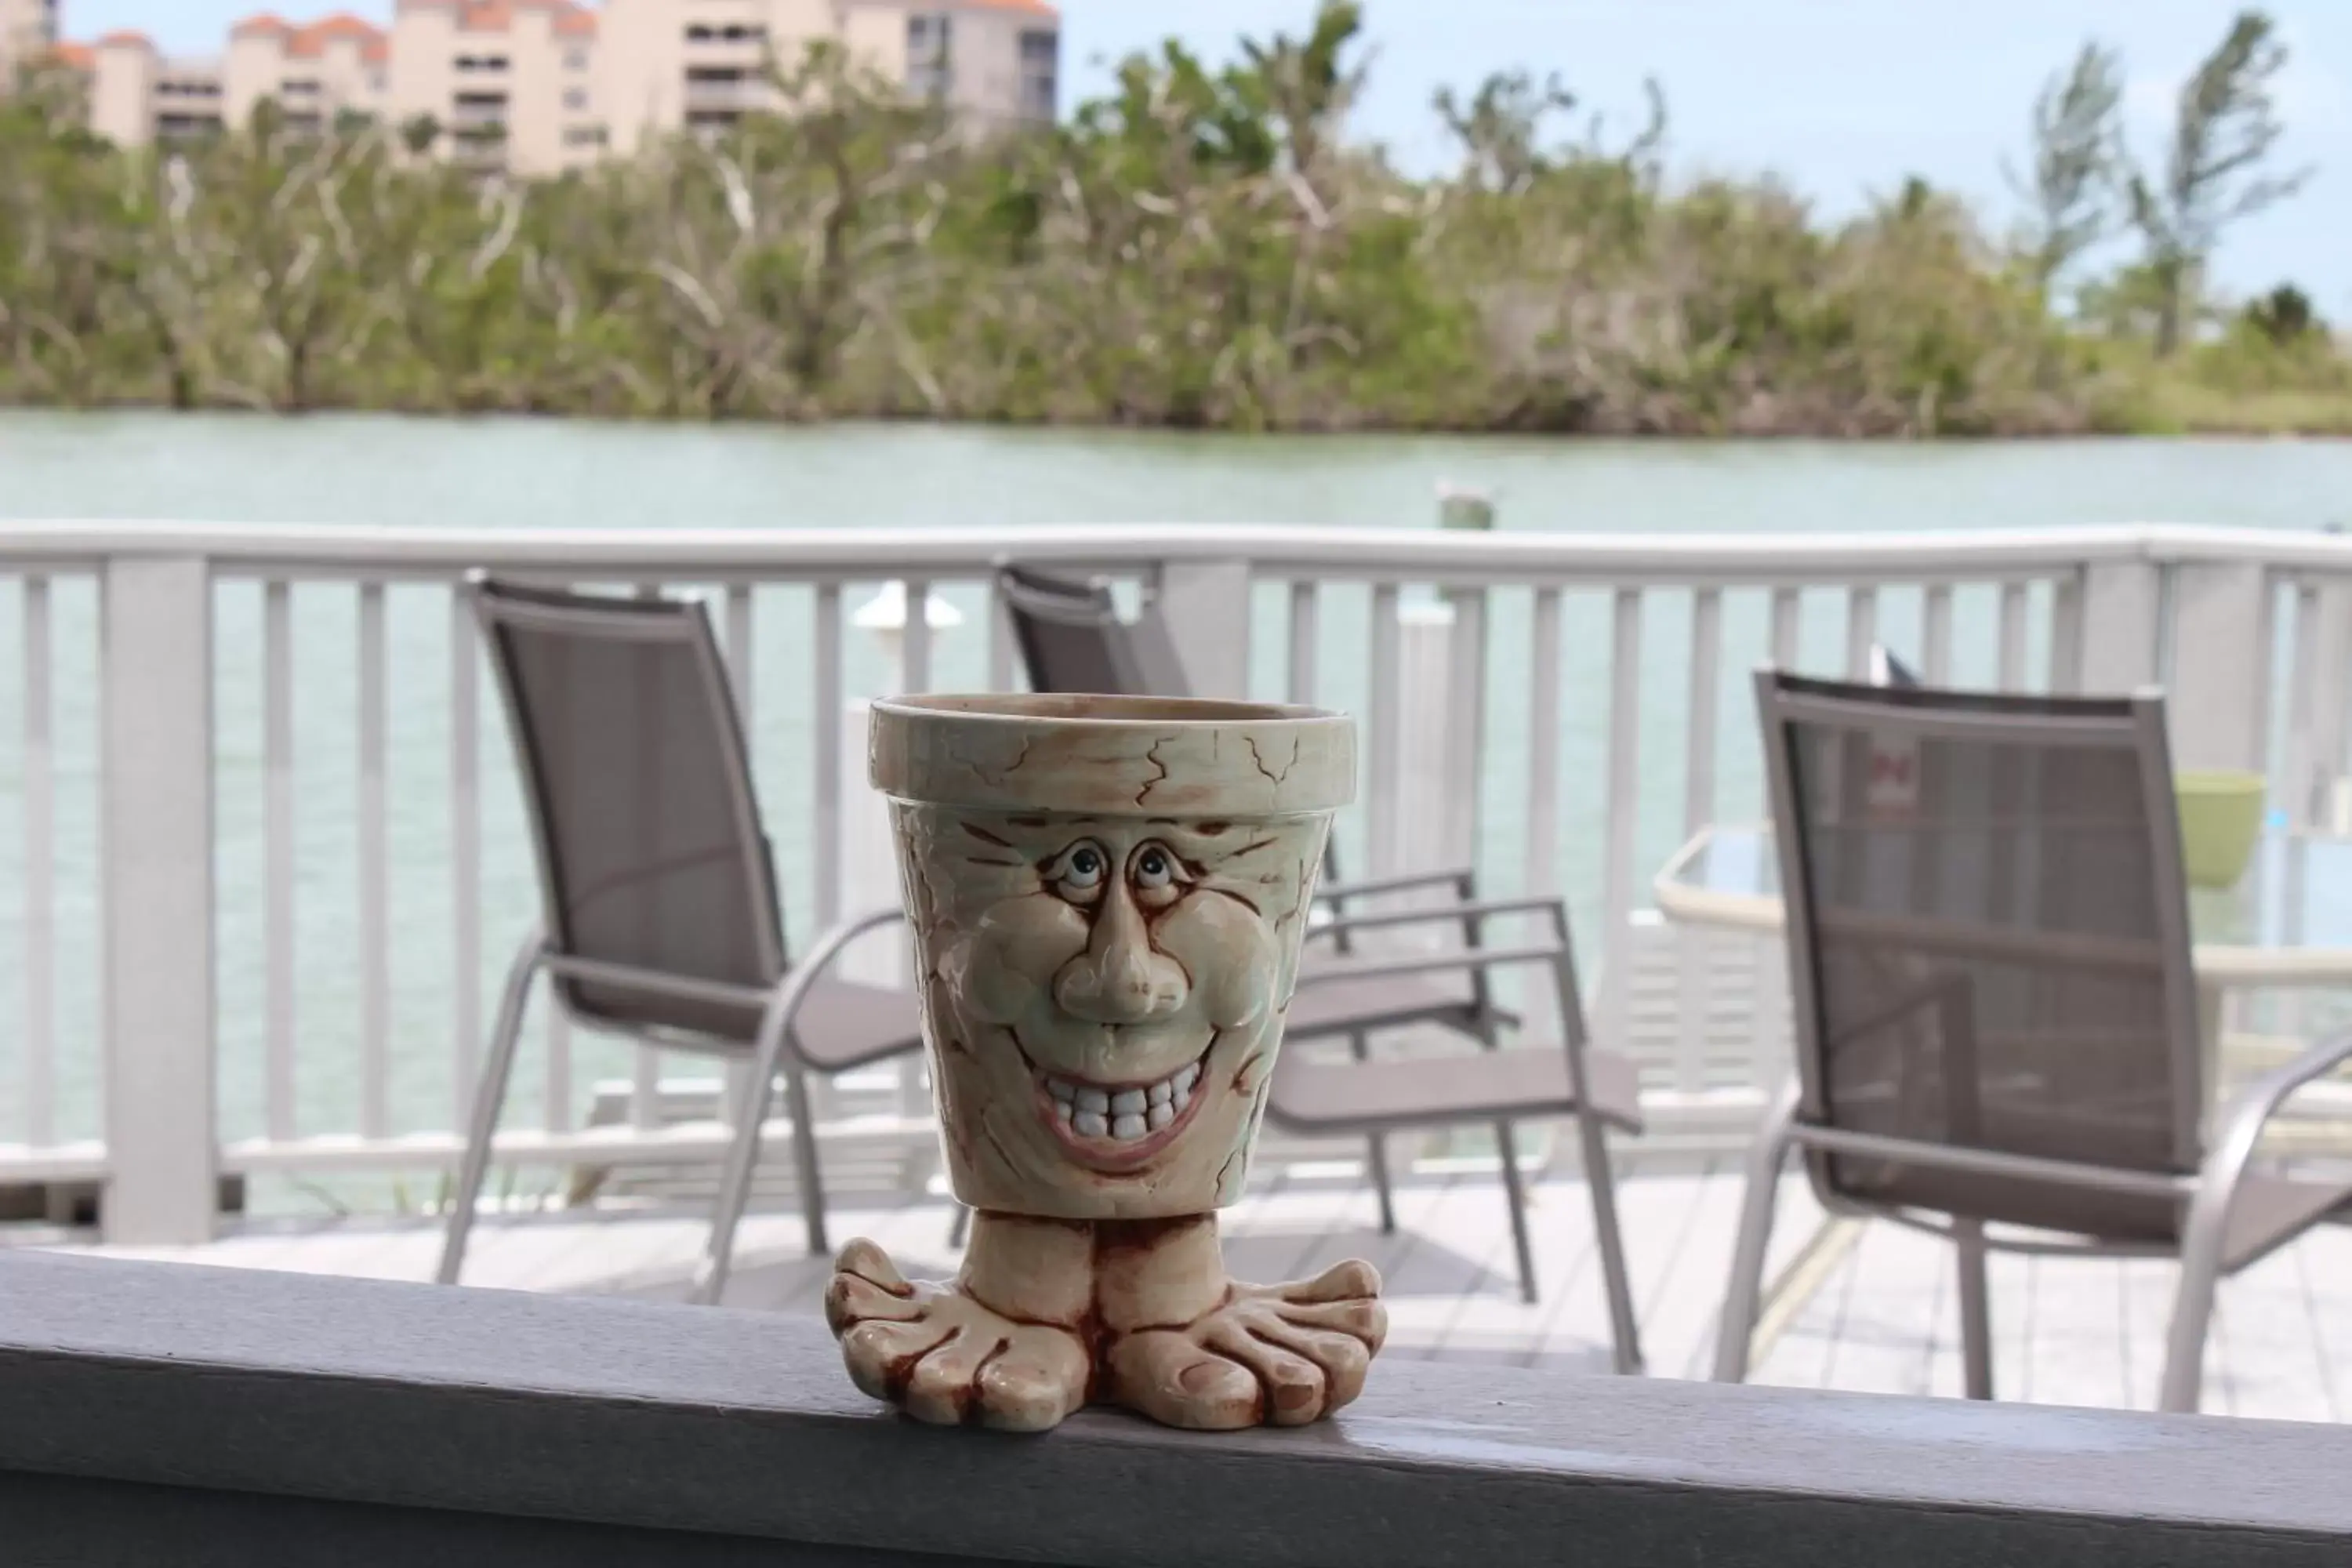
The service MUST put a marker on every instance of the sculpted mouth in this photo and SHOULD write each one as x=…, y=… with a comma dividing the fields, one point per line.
x=1123, y=1115
x=1117, y=1126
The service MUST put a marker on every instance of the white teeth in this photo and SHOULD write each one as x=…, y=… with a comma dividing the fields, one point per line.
x=1124, y=1114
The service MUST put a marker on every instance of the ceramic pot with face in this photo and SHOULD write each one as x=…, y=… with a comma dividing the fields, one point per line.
x=1109, y=897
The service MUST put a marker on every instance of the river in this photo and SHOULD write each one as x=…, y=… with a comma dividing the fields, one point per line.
x=548, y=473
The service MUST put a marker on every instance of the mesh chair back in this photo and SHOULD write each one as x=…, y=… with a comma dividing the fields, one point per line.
x=1988, y=942
x=1072, y=639
x=639, y=790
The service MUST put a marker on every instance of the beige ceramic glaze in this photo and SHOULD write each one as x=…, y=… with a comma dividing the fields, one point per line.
x=1108, y=897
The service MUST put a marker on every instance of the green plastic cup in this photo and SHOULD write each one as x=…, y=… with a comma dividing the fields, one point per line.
x=2221, y=822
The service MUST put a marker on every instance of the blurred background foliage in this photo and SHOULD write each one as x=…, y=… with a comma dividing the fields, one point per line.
x=1201, y=248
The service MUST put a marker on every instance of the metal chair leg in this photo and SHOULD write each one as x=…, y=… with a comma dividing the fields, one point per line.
x=2192, y=1302
x=1376, y=1158
x=1976, y=1311
x=1376, y=1150
x=1736, y=1324
x=959, y=1227
x=489, y=1098
x=743, y=1154
x=1624, y=1332
x=804, y=1159
x=1515, y=1191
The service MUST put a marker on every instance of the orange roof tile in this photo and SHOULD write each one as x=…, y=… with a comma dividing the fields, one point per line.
x=312, y=41
x=126, y=39
x=484, y=16
x=261, y=23
x=75, y=57
x=574, y=22
x=1033, y=8
x=377, y=51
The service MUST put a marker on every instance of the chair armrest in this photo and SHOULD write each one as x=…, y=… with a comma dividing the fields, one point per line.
x=1453, y=914
x=1460, y=876
x=842, y=932
x=784, y=1003
x=1460, y=959
x=2240, y=1128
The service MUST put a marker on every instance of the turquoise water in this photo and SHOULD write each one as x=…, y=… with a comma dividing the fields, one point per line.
x=535, y=474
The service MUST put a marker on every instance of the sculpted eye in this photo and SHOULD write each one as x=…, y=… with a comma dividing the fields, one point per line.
x=1157, y=875
x=1154, y=867
x=1080, y=869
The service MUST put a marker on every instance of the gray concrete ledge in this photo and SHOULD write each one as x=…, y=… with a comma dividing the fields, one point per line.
x=290, y=1419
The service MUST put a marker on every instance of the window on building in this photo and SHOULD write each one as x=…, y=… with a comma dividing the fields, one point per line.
x=584, y=136
x=300, y=87
x=575, y=98
x=575, y=60
x=698, y=34
x=930, y=66
x=1040, y=54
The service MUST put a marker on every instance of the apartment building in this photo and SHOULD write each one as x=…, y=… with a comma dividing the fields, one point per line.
x=138, y=95
x=667, y=65
x=511, y=83
x=28, y=33
x=539, y=87
x=314, y=72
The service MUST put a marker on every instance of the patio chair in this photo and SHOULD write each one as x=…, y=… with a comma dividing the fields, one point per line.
x=1996, y=1016
x=658, y=884
x=1072, y=639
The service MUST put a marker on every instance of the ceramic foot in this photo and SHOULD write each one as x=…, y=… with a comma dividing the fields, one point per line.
x=943, y=1356
x=1282, y=1355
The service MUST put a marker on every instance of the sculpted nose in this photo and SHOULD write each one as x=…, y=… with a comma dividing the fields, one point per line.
x=1119, y=979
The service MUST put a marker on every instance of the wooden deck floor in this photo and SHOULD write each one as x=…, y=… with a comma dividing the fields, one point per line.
x=1875, y=1314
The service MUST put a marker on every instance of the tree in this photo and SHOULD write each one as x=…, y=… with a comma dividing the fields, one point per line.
x=2225, y=130
x=2077, y=154
x=2283, y=316
x=1501, y=129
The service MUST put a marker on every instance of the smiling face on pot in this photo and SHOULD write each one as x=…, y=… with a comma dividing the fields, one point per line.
x=1103, y=995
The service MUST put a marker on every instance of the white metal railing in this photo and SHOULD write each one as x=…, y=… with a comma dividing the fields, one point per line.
x=279, y=737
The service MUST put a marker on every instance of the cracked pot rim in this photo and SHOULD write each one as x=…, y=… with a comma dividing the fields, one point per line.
x=1107, y=755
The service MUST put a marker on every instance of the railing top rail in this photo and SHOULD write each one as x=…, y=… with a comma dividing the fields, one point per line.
x=627, y=1413
x=1343, y=552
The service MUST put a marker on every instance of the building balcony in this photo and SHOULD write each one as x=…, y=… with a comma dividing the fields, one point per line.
x=727, y=95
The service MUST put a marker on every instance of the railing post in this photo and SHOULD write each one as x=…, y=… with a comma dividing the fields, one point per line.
x=2330, y=657
x=1428, y=780
x=2218, y=700
x=158, y=759
x=2117, y=621
x=1206, y=604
